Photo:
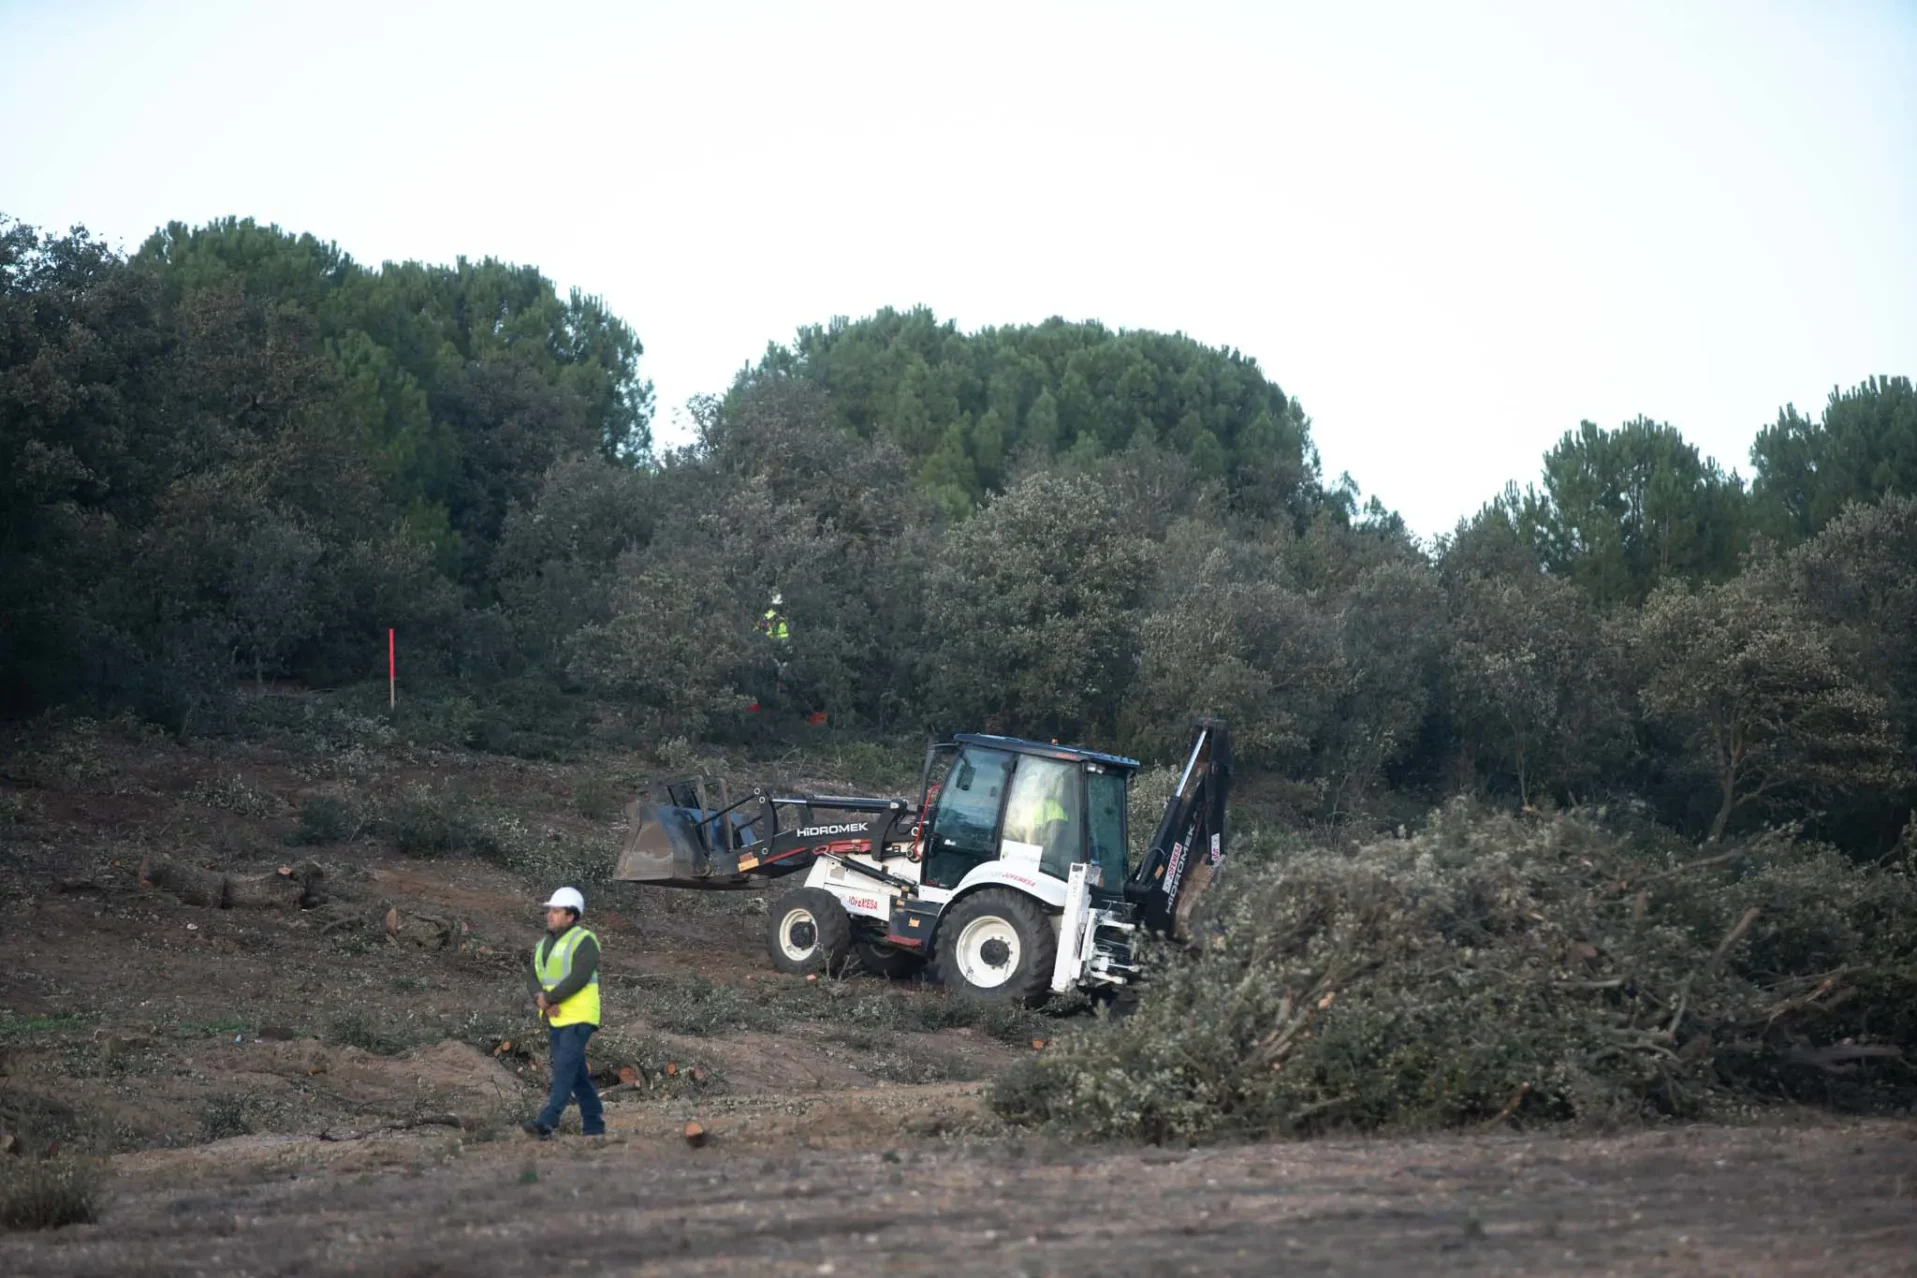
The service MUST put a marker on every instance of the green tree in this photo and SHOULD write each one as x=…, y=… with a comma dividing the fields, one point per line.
x=958, y=403
x=1391, y=636
x=1766, y=707
x=669, y=653
x=1859, y=575
x=557, y=552
x=1864, y=449
x=1534, y=687
x=1222, y=635
x=1495, y=542
x=1031, y=611
x=1626, y=509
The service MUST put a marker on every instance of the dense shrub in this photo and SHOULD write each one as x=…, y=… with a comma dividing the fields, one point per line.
x=1491, y=966
x=326, y=818
x=46, y=1193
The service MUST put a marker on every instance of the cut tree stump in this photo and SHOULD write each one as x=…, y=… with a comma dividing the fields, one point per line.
x=695, y=1134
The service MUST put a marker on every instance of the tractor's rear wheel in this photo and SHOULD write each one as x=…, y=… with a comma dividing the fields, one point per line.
x=888, y=961
x=807, y=930
x=997, y=946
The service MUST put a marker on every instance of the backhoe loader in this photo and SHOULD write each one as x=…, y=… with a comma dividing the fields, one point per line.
x=1008, y=876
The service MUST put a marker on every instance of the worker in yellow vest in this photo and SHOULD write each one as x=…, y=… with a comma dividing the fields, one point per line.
x=773, y=626
x=565, y=985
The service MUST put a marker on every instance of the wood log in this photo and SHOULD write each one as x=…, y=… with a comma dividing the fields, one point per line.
x=288, y=888
x=695, y=1134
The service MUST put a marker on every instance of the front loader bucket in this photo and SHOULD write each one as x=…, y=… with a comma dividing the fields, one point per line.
x=675, y=839
x=662, y=844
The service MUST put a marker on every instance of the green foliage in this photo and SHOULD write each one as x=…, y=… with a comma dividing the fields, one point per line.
x=235, y=795
x=964, y=406
x=1765, y=706
x=246, y=454
x=428, y=822
x=326, y=818
x=1225, y=636
x=240, y=457
x=224, y=1116
x=666, y=651
x=1031, y=611
x=47, y=1193
x=1864, y=449
x=25, y=1027
x=1859, y=576
x=1626, y=509
x=1495, y=967
x=1536, y=684
x=1390, y=639
x=356, y=1029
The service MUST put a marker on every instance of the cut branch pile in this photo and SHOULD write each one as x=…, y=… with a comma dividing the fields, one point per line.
x=1497, y=969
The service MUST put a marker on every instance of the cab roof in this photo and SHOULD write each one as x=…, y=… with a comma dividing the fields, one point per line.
x=1046, y=749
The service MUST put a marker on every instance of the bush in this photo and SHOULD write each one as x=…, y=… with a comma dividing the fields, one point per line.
x=352, y=1029
x=224, y=1116
x=326, y=819
x=1492, y=967
x=235, y=795
x=429, y=823
x=601, y=798
x=46, y=1193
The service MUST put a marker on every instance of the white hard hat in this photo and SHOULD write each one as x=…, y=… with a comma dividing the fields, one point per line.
x=777, y=597
x=567, y=899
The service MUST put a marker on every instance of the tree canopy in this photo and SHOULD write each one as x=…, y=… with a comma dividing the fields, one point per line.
x=968, y=407
x=238, y=456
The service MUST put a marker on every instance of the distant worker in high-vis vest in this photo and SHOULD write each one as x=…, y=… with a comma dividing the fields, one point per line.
x=565, y=985
x=773, y=627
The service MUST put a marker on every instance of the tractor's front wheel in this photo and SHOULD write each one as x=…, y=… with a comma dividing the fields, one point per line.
x=997, y=946
x=807, y=930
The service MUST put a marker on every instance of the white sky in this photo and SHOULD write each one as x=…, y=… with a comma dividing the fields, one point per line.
x=1452, y=230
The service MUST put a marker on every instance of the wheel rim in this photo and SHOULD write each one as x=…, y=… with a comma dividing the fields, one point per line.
x=798, y=934
x=988, y=952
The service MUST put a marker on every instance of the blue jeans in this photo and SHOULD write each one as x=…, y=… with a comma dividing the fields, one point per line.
x=570, y=1080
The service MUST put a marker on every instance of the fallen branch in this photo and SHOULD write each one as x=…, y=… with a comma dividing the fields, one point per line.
x=1737, y=930
x=401, y=1125
x=1510, y=1106
x=1688, y=866
x=1836, y=1058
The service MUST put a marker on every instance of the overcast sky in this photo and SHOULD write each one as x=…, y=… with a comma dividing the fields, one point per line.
x=1452, y=230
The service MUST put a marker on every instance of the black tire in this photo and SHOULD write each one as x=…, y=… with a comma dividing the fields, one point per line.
x=997, y=946
x=888, y=961
x=807, y=930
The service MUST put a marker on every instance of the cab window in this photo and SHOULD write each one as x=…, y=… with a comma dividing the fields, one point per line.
x=1044, y=813
x=1105, y=805
x=965, y=815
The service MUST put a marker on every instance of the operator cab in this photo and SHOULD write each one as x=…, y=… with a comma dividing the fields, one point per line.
x=1026, y=803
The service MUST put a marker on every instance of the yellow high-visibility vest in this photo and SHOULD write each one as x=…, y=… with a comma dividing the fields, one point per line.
x=774, y=626
x=556, y=966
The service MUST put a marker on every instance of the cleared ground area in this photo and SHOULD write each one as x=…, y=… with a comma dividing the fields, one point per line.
x=1821, y=1199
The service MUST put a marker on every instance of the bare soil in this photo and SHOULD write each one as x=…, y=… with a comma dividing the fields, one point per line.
x=281, y=1092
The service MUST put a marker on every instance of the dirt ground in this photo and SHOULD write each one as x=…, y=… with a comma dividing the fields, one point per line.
x=337, y=1089
x=1825, y=1199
